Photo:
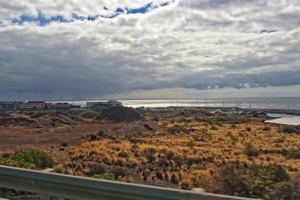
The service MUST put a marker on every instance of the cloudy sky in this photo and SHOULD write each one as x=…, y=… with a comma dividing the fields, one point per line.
x=74, y=49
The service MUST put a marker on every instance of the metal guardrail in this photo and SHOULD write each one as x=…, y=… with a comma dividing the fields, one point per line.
x=80, y=188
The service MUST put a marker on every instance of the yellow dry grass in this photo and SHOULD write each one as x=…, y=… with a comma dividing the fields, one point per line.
x=192, y=156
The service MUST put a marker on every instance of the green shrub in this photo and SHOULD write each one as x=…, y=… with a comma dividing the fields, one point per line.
x=251, y=151
x=292, y=154
x=108, y=176
x=88, y=114
x=24, y=158
x=28, y=158
x=176, y=129
x=116, y=174
x=256, y=181
x=290, y=129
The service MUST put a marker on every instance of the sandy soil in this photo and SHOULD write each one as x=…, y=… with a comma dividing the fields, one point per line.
x=16, y=137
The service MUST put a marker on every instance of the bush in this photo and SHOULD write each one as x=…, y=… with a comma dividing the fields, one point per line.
x=214, y=128
x=97, y=169
x=266, y=128
x=156, y=119
x=279, y=140
x=248, y=129
x=150, y=156
x=28, y=158
x=289, y=190
x=174, y=179
x=233, y=126
x=24, y=158
x=176, y=129
x=120, y=172
x=170, y=155
x=231, y=136
x=256, y=181
x=64, y=144
x=292, y=154
x=88, y=114
x=108, y=176
x=123, y=154
x=116, y=174
x=251, y=151
x=290, y=129
x=206, y=136
x=186, y=185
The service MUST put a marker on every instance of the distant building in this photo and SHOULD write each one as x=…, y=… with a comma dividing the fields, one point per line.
x=99, y=106
x=62, y=106
x=10, y=105
x=65, y=106
x=35, y=105
x=161, y=110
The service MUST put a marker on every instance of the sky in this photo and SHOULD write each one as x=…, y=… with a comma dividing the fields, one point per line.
x=74, y=49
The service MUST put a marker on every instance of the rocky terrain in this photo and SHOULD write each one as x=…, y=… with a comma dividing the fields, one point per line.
x=49, y=129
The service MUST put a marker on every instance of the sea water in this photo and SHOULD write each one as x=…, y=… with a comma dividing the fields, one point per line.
x=284, y=103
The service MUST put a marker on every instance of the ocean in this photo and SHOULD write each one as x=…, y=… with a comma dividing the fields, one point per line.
x=283, y=103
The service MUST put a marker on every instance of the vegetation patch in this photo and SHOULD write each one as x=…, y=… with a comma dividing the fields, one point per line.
x=251, y=151
x=289, y=190
x=89, y=114
x=27, y=158
x=24, y=158
x=218, y=120
x=256, y=181
x=108, y=176
x=176, y=129
x=116, y=174
x=292, y=154
x=291, y=129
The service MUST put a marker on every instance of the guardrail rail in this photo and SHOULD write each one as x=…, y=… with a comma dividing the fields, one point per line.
x=81, y=188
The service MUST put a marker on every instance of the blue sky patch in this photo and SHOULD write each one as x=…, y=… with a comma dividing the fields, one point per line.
x=42, y=20
x=268, y=31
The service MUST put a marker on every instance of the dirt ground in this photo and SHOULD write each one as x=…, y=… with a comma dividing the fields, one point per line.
x=16, y=137
x=55, y=141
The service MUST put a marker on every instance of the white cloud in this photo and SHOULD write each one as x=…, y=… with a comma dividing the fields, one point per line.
x=190, y=44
